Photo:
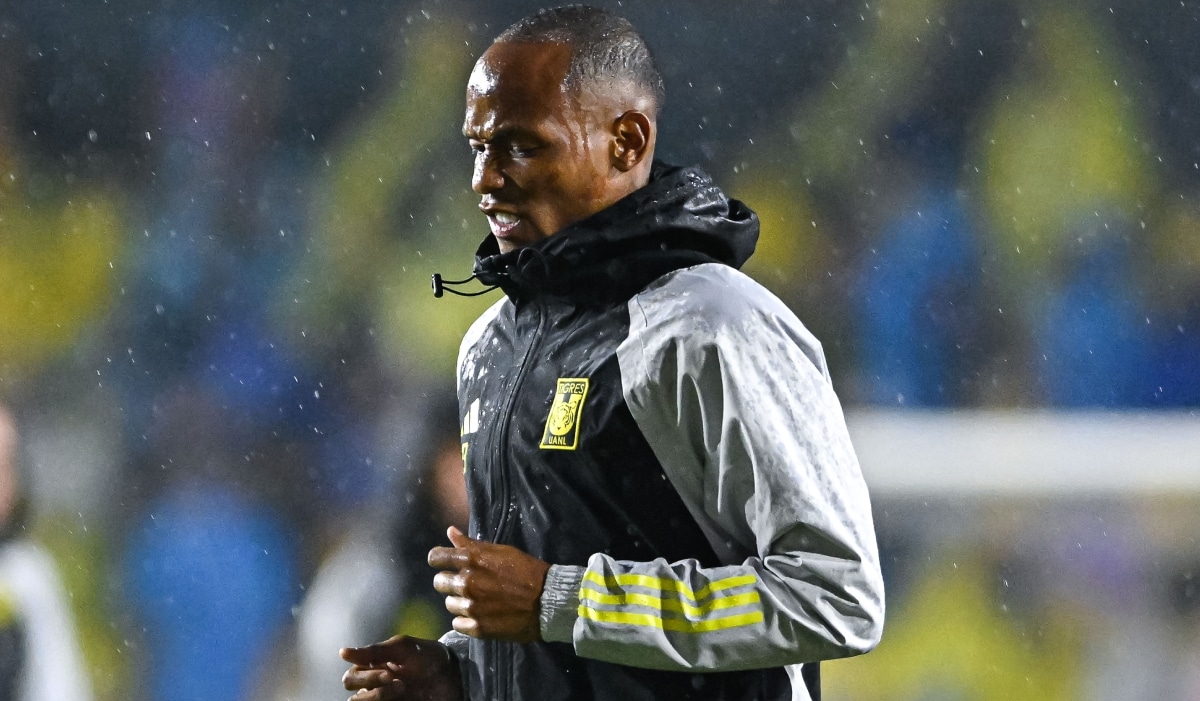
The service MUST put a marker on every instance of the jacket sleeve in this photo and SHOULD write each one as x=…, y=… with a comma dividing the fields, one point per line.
x=732, y=394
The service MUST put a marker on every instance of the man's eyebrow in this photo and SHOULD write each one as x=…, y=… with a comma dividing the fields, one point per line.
x=500, y=134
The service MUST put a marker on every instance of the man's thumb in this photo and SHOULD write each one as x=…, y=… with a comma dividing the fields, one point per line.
x=458, y=538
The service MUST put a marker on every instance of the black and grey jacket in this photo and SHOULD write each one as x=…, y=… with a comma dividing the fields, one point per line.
x=663, y=430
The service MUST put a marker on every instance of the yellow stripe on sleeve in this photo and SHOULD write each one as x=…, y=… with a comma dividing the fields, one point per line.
x=661, y=604
x=642, y=580
x=670, y=624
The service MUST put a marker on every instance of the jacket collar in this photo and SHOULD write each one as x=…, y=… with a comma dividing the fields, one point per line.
x=679, y=219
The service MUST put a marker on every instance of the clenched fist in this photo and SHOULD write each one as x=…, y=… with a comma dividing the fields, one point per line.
x=493, y=590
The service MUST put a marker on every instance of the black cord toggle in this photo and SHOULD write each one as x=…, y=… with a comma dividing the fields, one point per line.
x=441, y=286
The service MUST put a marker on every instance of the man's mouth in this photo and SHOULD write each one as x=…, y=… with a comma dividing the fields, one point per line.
x=502, y=223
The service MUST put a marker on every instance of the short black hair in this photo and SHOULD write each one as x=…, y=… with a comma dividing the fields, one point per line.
x=604, y=46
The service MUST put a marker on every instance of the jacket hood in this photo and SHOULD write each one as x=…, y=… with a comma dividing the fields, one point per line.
x=679, y=219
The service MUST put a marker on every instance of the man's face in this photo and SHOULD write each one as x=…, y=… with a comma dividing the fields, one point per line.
x=542, y=152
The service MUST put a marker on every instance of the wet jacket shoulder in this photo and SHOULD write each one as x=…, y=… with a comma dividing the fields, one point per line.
x=663, y=430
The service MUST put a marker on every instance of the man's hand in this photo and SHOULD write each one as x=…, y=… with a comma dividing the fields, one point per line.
x=402, y=669
x=494, y=590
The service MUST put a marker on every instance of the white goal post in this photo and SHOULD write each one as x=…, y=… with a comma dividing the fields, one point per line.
x=1027, y=452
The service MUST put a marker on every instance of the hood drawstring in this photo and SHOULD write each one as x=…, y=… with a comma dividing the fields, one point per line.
x=441, y=286
x=522, y=271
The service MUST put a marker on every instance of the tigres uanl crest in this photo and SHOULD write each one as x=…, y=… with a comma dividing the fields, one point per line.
x=562, y=425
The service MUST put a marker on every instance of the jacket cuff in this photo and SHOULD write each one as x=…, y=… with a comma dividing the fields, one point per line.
x=457, y=646
x=560, y=603
x=456, y=643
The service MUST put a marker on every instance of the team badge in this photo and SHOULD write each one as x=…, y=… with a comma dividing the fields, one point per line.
x=562, y=425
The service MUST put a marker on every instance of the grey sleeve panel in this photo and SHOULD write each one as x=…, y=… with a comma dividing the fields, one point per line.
x=732, y=393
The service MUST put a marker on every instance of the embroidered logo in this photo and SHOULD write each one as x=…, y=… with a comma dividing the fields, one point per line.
x=562, y=425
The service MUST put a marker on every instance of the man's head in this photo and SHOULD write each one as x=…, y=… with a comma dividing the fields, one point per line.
x=561, y=116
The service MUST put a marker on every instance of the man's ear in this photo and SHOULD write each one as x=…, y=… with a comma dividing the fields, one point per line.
x=634, y=141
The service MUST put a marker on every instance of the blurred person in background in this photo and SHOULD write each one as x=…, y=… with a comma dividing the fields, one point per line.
x=1090, y=338
x=208, y=568
x=375, y=583
x=40, y=657
x=917, y=285
x=583, y=499
x=1065, y=175
x=223, y=220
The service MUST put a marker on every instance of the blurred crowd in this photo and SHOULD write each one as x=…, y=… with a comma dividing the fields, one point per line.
x=234, y=392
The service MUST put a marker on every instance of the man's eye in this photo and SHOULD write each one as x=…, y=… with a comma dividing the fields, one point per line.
x=522, y=151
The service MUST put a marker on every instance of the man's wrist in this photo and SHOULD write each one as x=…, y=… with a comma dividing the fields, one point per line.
x=560, y=603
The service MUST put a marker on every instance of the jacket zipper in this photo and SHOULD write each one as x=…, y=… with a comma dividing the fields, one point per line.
x=504, y=661
x=505, y=421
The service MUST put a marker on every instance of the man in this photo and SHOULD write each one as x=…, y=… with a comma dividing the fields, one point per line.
x=40, y=656
x=665, y=503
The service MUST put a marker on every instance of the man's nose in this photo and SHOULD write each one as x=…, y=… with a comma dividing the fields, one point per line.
x=487, y=176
